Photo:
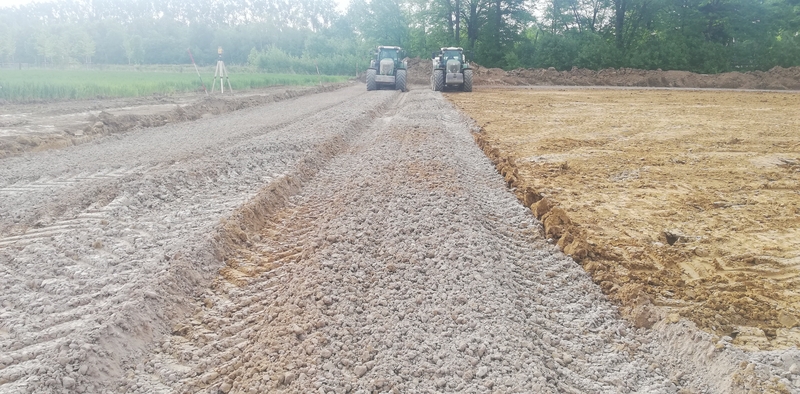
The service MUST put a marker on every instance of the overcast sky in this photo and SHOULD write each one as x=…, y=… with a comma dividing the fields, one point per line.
x=8, y=3
x=341, y=5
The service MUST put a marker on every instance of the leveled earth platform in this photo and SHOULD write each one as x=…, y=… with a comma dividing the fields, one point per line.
x=680, y=203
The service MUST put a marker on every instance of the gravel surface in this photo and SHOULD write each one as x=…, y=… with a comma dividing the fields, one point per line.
x=365, y=244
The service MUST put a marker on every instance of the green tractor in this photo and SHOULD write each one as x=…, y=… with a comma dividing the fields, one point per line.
x=387, y=69
x=451, y=70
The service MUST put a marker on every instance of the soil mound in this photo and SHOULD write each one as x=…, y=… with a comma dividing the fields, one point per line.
x=419, y=71
x=778, y=78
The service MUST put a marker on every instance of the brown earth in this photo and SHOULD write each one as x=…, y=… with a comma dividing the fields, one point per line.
x=679, y=203
x=777, y=78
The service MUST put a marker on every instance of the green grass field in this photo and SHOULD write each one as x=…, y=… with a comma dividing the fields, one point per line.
x=41, y=84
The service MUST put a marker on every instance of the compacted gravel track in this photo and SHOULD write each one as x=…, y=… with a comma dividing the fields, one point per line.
x=339, y=242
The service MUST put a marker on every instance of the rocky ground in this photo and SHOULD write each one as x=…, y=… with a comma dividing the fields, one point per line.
x=342, y=241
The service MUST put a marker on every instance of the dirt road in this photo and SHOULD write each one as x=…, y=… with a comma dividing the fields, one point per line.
x=339, y=242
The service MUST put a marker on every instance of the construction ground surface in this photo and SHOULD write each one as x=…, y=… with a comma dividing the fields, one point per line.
x=334, y=240
x=687, y=200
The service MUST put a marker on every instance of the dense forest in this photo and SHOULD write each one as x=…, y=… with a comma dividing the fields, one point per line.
x=705, y=36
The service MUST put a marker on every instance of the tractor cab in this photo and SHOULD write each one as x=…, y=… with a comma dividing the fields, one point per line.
x=453, y=54
x=451, y=70
x=387, y=68
x=389, y=53
x=385, y=54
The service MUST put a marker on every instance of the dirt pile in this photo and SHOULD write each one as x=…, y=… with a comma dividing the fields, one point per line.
x=778, y=78
x=679, y=203
x=419, y=71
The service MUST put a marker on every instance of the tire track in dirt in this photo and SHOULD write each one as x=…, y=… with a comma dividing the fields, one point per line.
x=85, y=294
x=403, y=265
x=148, y=148
x=47, y=183
x=93, y=216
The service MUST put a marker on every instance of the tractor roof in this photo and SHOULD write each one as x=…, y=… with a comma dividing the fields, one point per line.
x=453, y=49
x=388, y=47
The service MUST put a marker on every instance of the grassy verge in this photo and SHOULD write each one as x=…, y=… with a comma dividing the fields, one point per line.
x=40, y=84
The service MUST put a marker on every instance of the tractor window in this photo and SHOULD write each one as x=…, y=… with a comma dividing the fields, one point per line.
x=452, y=55
x=389, y=55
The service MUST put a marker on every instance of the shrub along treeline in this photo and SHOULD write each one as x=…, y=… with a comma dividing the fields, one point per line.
x=303, y=36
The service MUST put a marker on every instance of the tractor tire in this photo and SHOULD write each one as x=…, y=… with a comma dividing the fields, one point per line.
x=438, y=80
x=400, y=81
x=467, y=86
x=371, y=85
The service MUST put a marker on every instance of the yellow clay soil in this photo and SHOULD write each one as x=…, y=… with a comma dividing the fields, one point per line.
x=679, y=203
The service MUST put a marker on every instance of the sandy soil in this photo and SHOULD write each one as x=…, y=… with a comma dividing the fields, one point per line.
x=335, y=242
x=689, y=200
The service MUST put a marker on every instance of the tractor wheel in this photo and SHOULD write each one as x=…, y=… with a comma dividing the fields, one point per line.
x=371, y=85
x=400, y=80
x=438, y=80
x=467, y=86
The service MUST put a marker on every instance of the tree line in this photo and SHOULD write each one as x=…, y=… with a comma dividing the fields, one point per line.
x=304, y=36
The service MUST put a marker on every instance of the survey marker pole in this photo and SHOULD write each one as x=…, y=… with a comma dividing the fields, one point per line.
x=222, y=73
x=197, y=71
